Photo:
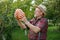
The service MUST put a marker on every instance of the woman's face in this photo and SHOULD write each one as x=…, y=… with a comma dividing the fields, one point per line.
x=38, y=12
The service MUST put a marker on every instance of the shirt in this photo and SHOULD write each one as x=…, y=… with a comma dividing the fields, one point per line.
x=42, y=23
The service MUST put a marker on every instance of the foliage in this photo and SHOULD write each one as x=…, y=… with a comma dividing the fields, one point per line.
x=7, y=8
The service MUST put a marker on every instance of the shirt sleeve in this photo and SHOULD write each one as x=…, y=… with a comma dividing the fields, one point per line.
x=31, y=21
x=42, y=24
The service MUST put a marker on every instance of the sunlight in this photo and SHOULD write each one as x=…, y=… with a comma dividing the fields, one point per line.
x=33, y=2
x=14, y=1
x=22, y=0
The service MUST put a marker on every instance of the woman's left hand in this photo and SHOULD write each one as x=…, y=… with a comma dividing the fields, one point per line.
x=24, y=19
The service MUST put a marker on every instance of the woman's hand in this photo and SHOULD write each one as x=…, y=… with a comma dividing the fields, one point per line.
x=24, y=19
x=19, y=14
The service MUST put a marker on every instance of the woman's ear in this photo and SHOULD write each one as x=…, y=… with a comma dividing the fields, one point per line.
x=43, y=14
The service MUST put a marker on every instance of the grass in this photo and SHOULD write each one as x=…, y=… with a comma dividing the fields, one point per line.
x=53, y=35
x=18, y=34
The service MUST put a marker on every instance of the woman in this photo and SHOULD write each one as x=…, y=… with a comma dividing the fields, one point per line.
x=37, y=26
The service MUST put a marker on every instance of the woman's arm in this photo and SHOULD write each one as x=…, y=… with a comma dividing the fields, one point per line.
x=22, y=25
x=32, y=27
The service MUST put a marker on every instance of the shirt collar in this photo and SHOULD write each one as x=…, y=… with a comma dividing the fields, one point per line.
x=38, y=18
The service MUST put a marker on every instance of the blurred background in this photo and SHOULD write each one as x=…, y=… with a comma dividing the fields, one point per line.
x=9, y=29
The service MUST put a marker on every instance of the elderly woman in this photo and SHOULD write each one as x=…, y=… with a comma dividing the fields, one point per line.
x=37, y=26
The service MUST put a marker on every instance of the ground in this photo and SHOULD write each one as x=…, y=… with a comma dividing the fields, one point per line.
x=18, y=34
